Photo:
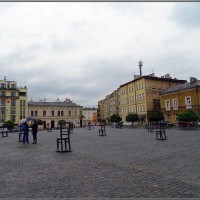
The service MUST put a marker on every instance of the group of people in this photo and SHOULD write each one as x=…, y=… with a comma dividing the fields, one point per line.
x=25, y=128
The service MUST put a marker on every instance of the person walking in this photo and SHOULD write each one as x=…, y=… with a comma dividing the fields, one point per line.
x=89, y=125
x=25, y=129
x=34, y=132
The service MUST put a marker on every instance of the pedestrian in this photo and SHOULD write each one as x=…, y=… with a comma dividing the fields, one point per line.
x=34, y=132
x=89, y=125
x=25, y=129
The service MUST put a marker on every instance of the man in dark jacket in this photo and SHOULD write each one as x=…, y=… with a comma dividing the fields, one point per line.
x=34, y=132
x=25, y=129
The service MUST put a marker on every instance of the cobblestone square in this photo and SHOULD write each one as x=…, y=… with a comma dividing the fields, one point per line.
x=126, y=163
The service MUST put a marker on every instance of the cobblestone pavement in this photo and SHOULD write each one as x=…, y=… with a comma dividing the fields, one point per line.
x=126, y=163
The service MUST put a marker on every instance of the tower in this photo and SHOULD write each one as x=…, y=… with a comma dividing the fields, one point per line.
x=140, y=66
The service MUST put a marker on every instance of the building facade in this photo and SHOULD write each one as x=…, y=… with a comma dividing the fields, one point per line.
x=140, y=95
x=90, y=115
x=13, y=102
x=179, y=98
x=52, y=112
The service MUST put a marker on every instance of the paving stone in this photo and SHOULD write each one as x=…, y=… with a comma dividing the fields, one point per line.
x=126, y=163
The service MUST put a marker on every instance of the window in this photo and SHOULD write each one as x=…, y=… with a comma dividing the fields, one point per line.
x=52, y=113
x=70, y=113
x=167, y=104
x=13, y=102
x=188, y=102
x=175, y=104
x=75, y=113
x=32, y=113
x=3, y=85
x=13, y=94
x=36, y=113
x=62, y=113
x=13, y=86
x=3, y=110
x=44, y=112
x=59, y=113
x=3, y=93
x=3, y=102
x=12, y=111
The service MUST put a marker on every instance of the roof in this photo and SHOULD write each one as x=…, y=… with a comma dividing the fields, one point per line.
x=180, y=87
x=89, y=108
x=158, y=79
x=61, y=104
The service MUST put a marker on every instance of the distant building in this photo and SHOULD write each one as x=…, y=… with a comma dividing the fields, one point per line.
x=90, y=115
x=179, y=98
x=140, y=96
x=52, y=112
x=13, y=102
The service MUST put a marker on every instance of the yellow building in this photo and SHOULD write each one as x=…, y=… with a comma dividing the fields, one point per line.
x=140, y=95
x=13, y=102
x=179, y=98
x=52, y=112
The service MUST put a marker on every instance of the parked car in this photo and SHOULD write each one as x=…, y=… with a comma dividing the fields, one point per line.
x=127, y=123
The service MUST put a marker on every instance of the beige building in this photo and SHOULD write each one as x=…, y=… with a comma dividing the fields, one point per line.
x=179, y=98
x=52, y=112
x=13, y=102
x=140, y=95
x=90, y=115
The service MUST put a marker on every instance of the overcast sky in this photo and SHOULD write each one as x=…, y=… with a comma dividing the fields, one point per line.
x=86, y=50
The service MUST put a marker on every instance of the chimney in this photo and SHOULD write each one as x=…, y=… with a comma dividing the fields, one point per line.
x=192, y=79
x=140, y=66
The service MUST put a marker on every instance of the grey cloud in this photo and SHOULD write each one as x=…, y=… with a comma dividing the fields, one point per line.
x=187, y=14
x=21, y=55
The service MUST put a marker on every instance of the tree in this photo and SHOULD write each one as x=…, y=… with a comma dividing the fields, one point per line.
x=62, y=121
x=40, y=122
x=132, y=118
x=115, y=118
x=9, y=124
x=155, y=116
x=188, y=116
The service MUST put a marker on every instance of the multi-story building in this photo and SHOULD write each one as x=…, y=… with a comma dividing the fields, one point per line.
x=100, y=110
x=178, y=98
x=13, y=102
x=90, y=115
x=52, y=112
x=141, y=95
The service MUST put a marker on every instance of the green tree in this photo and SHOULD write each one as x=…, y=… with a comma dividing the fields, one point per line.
x=62, y=121
x=188, y=116
x=9, y=124
x=155, y=116
x=132, y=118
x=40, y=122
x=115, y=118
